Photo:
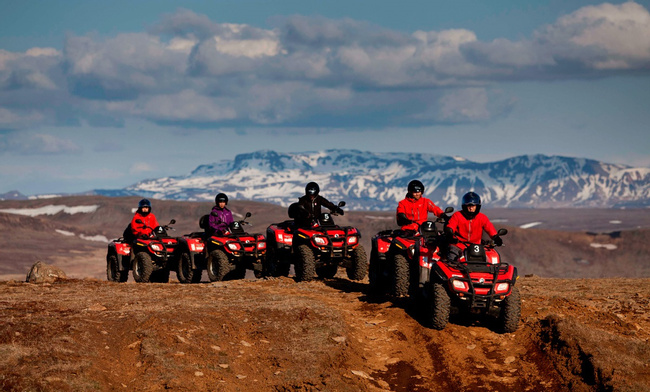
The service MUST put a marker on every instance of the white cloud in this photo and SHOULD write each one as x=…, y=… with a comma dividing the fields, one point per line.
x=5, y=58
x=620, y=29
x=8, y=117
x=268, y=45
x=182, y=44
x=39, y=52
x=36, y=144
x=141, y=167
x=188, y=105
x=605, y=36
x=466, y=104
x=192, y=70
x=439, y=53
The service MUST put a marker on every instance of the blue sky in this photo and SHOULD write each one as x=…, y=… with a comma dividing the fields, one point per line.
x=99, y=94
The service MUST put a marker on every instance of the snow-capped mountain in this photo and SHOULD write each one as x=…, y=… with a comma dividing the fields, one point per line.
x=377, y=181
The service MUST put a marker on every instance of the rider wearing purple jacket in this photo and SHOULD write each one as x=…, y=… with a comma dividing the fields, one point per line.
x=220, y=216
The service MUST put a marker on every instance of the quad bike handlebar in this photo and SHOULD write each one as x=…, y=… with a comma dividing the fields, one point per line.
x=490, y=243
x=236, y=226
x=156, y=232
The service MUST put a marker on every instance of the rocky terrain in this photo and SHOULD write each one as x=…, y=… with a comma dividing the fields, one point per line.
x=279, y=335
x=586, y=333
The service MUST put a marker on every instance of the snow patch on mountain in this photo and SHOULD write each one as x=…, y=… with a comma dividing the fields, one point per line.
x=51, y=210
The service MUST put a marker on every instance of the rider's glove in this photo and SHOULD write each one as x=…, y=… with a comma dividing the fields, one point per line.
x=449, y=236
x=497, y=240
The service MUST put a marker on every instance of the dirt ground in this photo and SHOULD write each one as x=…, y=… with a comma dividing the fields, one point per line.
x=280, y=335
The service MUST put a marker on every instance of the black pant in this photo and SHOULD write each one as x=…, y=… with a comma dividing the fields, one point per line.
x=454, y=253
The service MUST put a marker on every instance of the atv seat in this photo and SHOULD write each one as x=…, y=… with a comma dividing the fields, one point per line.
x=128, y=234
x=286, y=225
x=204, y=223
x=404, y=233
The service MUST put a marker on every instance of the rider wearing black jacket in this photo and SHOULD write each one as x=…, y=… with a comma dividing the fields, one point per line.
x=312, y=202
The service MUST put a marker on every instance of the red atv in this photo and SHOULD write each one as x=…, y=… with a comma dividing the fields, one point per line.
x=478, y=282
x=149, y=258
x=321, y=246
x=393, y=266
x=279, y=238
x=381, y=276
x=229, y=255
x=153, y=257
x=118, y=260
x=191, y=261
x=225, y=256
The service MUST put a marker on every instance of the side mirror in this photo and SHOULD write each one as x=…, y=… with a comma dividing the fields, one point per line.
x=138, y=221
x=501, y=232
x=449, y=210
x=248, y=215
x=341, y=204
x=171, y=222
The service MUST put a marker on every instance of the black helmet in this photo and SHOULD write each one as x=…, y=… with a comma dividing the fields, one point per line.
x=312, y=189
x=144, y=203
x=221, y=197
x=471, y=199
x=415, y=186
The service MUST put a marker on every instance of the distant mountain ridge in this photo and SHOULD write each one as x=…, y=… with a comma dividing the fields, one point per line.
x=13, y=195
x=377, y=181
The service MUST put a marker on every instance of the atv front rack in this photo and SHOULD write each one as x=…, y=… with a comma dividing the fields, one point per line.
x=337, y=251
x=487, y=296
x=242, y=252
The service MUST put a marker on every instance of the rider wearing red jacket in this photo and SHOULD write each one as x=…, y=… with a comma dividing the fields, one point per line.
x=414, y=209
x=469, y=224
x=148, y=219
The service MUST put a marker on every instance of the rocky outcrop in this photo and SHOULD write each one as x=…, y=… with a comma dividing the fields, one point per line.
x=44, y=273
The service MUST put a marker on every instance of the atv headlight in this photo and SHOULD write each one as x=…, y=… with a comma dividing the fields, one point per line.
x=320, y=241
x=502, y=288
x=459, y=285
x=412, y=251
x=156, y=247
x=233, y=246
x=261, y=245
x=353, y=240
